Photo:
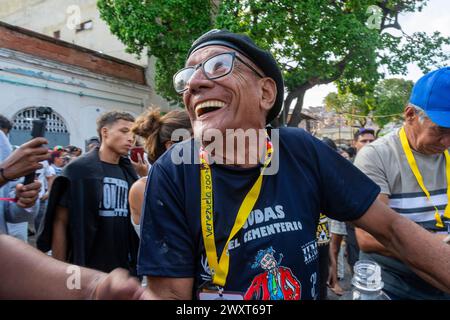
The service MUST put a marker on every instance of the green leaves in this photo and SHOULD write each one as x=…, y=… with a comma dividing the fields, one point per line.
x=391, y=96
x=166, y=28
x=315, y=41
x=383, y=104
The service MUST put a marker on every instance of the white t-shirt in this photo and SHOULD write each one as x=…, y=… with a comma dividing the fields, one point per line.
x=42, y=175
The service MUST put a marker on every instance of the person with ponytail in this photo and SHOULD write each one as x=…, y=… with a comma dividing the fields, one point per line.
x=156, y=131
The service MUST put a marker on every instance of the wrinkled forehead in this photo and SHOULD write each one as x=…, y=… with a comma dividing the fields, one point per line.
x=204, y=53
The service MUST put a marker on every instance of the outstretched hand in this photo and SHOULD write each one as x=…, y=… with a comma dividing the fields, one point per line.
x=118, y=285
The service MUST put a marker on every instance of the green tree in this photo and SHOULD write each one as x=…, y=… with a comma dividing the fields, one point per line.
x=354, y=108
x=315, y=41
x=390, y=98
x=322, y=41
x=384, y=104
x=166, y=28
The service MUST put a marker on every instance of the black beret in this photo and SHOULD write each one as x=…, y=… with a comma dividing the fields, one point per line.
x=244, y=45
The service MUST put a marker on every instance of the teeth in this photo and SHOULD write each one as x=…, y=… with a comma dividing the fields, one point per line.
x=209, y=104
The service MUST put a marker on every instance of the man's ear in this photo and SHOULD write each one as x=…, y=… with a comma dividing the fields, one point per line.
x=104, y=132
x=410, y=114
x=268, y=93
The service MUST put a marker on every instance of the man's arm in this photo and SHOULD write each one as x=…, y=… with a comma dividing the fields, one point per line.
x=170, y=288
x=59, y=238
x=26, y=273
x=50, y=180
x=424, y=252
x=367, y=242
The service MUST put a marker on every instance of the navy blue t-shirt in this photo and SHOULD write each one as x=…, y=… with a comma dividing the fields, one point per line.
x=275, y=254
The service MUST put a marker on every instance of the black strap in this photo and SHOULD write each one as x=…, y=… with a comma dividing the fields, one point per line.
x=3, y=175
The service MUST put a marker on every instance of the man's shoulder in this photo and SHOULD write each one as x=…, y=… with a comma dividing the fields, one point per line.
x=382, y=146
x=293, y=133
x=294, y=140
x=183, y=150
x=383, y=154
x=85, y=165
x=179, y=157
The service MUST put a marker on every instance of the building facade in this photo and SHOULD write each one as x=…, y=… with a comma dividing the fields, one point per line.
x=77, y=83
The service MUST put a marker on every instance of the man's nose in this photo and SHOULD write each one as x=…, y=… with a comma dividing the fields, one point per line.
x=197, y=81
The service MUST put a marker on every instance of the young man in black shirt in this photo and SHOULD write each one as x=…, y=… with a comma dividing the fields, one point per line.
x=88, y=221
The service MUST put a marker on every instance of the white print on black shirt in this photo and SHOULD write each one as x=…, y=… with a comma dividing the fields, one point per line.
x=115, y=198
x=206, y=275
x=310, y=252
x=259, y=216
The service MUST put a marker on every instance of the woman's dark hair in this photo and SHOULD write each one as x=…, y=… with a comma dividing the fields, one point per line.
x=157, y=129
x=5, y=123
x=54, y=155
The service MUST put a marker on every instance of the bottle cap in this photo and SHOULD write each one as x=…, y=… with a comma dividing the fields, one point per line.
x=367, y=276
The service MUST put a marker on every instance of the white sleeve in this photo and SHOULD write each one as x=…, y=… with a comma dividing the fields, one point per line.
x=51, y=171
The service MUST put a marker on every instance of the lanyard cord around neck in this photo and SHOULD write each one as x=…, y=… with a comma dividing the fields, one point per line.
x=415, y=169
x=219, y=268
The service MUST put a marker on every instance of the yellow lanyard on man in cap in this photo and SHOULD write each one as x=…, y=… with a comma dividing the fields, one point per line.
x=415, y=169
x=219, y=268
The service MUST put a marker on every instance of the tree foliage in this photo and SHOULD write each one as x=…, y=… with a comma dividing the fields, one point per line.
x=166, y=28
x=382, y=105
x=354, y=108
x=390, y=98
x=315, y=41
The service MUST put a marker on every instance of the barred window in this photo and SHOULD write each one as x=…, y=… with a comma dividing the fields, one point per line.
x=24, y=121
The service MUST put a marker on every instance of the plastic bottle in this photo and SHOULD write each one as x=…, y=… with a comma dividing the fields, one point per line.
x=367, y=283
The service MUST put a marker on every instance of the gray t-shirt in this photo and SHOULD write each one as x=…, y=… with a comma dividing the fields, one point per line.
x=384, y=161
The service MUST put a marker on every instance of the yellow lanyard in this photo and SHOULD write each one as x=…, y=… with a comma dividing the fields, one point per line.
x=219, y=268
x=415, y=169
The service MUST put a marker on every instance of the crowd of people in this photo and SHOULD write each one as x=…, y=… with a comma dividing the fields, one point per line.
x=195, y=217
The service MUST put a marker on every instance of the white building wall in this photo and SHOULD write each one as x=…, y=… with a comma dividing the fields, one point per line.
x=49, y=16
x=77, y=95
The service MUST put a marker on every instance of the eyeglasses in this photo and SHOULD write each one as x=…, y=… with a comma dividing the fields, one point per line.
x=215, y=67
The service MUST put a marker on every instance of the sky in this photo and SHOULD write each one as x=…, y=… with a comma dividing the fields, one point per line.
x=434, y=17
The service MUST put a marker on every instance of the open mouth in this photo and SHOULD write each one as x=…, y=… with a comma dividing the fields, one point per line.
x=208, y=106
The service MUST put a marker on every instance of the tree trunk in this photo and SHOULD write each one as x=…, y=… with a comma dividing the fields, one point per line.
x=296, y=116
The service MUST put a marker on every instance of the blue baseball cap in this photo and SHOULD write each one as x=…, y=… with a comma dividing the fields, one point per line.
x=432, y=94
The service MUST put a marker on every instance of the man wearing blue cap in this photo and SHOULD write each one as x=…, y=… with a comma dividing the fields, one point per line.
x=412, y=168
x=206, y=222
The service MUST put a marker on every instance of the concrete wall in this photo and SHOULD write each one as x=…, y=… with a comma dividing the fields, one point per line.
x=48, y=16
x=76, y=94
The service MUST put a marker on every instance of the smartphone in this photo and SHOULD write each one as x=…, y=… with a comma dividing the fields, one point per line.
x=134, y=153
x=38, y=130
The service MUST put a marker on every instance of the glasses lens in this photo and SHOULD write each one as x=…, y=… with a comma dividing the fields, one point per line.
x=181, y=79
x=218, y=66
